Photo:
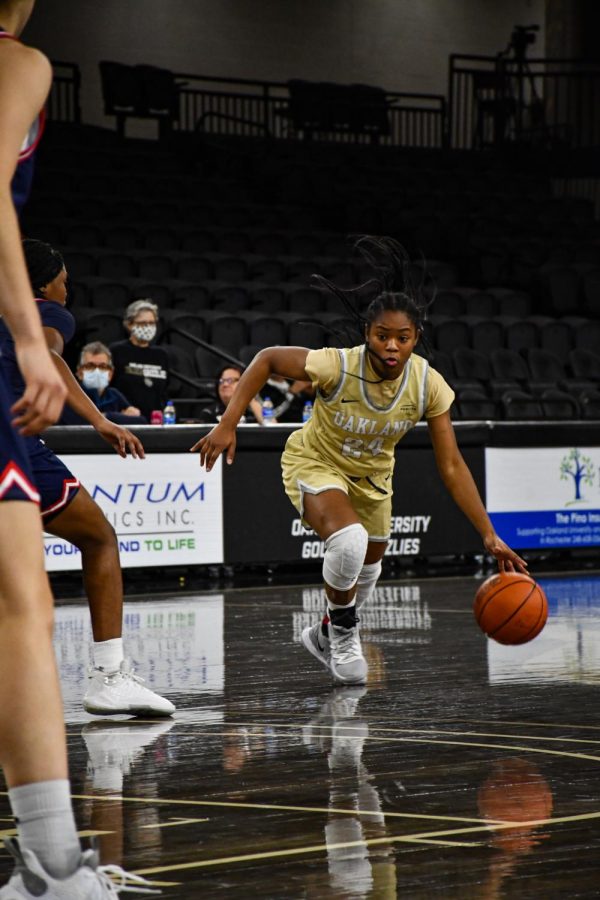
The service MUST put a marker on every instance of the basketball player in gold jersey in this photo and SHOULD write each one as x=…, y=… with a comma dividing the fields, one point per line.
x=337, y=469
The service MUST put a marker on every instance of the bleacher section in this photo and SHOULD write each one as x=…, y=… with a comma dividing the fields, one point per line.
x=225, y=235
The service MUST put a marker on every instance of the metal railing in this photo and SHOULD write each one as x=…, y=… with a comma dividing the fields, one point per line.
x=544, y=103
x=64, y=100
x=244, y=107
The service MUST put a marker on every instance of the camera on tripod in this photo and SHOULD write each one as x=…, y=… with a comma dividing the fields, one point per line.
x=522, y=36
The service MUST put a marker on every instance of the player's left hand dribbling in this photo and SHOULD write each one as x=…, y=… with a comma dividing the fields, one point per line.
x=508, y=560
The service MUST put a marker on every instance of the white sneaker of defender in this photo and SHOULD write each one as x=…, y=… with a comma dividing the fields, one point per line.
x=89, y=882
x=123, y=692
x=347, y=661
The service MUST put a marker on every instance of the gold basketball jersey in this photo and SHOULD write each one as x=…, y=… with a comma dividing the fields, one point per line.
x=355, y=425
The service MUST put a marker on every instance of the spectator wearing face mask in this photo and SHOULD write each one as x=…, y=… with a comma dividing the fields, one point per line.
x=141, y=369
x=95, y=372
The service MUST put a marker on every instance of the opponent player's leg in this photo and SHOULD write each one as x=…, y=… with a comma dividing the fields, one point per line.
x=112, y=688
x=32, y=734
x=48, y=857
x=331, y=514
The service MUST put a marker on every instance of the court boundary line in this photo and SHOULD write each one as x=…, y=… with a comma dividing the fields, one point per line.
x=424, y=837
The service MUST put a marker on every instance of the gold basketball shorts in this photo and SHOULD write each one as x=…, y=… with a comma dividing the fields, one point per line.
x=305, y=475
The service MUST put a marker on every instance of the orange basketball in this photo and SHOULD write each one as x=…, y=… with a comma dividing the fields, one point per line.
x=510, y=608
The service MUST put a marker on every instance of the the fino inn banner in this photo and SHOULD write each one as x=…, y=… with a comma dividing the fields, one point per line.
x=544, y=498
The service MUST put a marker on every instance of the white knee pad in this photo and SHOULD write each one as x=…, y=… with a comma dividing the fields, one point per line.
x=367, y=579
x=344, y=556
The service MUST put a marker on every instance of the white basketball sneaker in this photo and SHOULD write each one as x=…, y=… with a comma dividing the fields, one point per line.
x=123, y=692
x=316, y=640
x=348, y=664
x=90, y=882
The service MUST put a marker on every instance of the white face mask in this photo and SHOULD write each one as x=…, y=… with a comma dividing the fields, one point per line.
x=96, y=379
x=144, y=332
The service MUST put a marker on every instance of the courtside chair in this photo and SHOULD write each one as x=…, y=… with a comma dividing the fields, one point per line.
x=229, y=332
x=559, y=405
x=556, y=337
x=267, y=332
x=487, y=335
x=156, y=267
x=520, y=406
x=521, y=335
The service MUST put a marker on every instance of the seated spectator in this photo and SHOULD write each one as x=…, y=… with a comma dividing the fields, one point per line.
x=95, y=371
x=225, y=385
x=140, y=368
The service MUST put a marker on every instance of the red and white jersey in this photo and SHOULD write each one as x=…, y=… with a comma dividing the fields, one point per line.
x=34, y=134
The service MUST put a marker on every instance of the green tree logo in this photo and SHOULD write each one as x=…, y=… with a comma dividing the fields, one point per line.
x=579, y=468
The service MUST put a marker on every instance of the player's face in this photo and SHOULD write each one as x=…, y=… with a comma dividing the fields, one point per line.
x=228, y=381
x=393, y=337
x=56, y=289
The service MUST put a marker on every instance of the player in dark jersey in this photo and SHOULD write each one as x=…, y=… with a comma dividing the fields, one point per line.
x=32, y=734
x=69, y=512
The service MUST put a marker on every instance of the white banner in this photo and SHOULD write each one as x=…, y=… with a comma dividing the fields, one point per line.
x=165, y=509
x=544, y=497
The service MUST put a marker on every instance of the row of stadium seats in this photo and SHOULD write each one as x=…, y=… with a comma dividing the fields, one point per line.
x=214, y=266
x=511, y=393
x=558, y=336
x=265, y=241
x=536, y=370
x=518, y=405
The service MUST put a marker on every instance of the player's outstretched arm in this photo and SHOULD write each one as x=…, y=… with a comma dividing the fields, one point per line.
x=25, y=77
x=458, y=479
x=286, y=361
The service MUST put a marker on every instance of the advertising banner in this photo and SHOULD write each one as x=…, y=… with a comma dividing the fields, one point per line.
x=545, y=498
x=165, y=509
x=262, y=525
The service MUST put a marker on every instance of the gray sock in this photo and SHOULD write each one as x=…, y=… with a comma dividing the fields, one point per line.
x=46, y=824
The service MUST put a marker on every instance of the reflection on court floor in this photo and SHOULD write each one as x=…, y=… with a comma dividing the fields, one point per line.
x=176, y=645
x=568, y=649
x=462, y=770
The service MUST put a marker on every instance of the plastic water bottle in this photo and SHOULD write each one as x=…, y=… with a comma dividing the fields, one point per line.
x=307, y=411
x=267, y=411
x=169, y=413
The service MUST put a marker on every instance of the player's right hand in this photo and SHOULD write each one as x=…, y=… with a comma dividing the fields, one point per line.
x=45, y=392
x=221, y=438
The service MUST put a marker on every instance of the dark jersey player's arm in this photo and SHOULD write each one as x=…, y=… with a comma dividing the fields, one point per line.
x=76, y=397
x=120, y=438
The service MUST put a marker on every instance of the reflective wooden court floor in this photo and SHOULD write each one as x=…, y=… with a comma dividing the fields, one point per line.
x=463, y=770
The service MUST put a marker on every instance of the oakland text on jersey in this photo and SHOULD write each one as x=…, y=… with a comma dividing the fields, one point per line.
x=363, y=425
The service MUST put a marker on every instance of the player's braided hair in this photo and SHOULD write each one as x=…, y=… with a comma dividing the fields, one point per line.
x=392, y=287
x=43, y=263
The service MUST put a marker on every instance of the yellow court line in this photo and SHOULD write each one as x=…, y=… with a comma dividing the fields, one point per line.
x=416, y=740
x=369, y=842
x=432, y=731
x=539, y=724
x=271, y=807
